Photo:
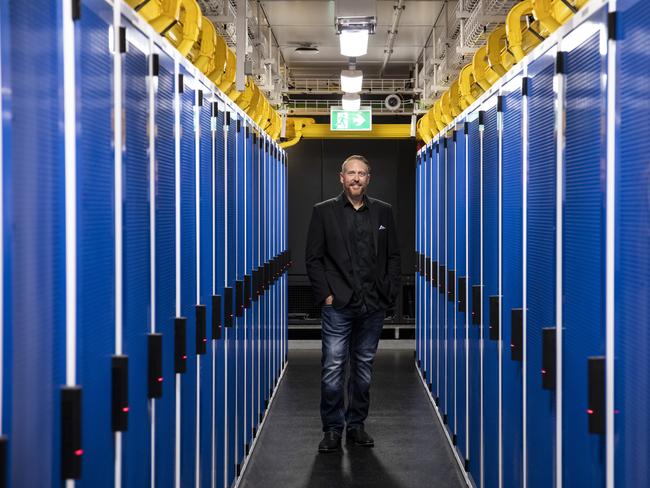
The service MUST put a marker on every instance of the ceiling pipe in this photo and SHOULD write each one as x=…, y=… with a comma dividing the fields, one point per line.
x=398, y=8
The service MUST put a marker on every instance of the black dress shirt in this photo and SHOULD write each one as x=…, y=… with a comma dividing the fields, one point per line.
x=363, y=254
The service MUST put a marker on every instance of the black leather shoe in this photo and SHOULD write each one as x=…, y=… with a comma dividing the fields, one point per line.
x=331, y=442
x=359, y=437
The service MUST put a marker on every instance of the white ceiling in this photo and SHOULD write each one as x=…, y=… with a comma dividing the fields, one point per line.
x=312, y=21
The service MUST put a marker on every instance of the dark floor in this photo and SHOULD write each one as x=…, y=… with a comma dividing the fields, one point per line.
x=410, y=447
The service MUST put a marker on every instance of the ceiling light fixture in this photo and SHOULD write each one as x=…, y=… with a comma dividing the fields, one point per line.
x=306, y=50
x=351, y=80
x=354, y=42
x=351, y=101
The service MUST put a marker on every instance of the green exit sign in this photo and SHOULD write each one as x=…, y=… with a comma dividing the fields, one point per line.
x=351, y=119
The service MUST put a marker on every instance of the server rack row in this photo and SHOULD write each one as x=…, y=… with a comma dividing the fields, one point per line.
x=533, y=266
x=144, y=289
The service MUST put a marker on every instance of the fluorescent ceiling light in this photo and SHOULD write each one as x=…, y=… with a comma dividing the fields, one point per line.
x=354, y=43
x=351, y=80
x=351, y=101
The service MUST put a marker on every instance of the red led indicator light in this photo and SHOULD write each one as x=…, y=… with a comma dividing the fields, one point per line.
x=590, y=411
x=125, y=409
x=78, y=452
x=543, y=371
x=160, y=379
x=184, y=357
x=205, y=340
x=512, y=345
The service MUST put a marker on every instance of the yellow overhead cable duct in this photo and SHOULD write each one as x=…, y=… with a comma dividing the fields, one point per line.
x=276, y=125
x=184, y=33
x=562, y=12
x=298, y=124
x=219, y=61
x=479, y=64
x=423, y=128
x=445, y=107
x=267, y=113
x=542, y=10
x=431, y=122
x=514, y=29
x=137, y=4
x=161, y=14
x=202, y=55
x=453, y=99
x=228, y=77
x=469, y=89
x=245, y=97
x=437, y=115
x=254, y=107
x=495, y=43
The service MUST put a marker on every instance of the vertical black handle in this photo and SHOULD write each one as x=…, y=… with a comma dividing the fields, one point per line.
x=257, y=283
x=434, y=274
x=247, y=291
x=548, y=358
x=200, y=337
x=180, y=345
x=596, y=394
x=120, y=393
x=494, y=317
x=517, y=334
x=216, y=317
x=263, y=284
x=477, y=297
x=227, y=307
x=71, y=449
x=451, y=279
x=3, y=461
x=239, y=298
x=462, y=294
x=427, y=268
x=154, y=366
x=441, y=279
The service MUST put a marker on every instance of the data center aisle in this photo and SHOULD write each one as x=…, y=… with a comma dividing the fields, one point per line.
x=410, y=447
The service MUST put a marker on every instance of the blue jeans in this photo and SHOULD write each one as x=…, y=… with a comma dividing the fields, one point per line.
x=354, y=335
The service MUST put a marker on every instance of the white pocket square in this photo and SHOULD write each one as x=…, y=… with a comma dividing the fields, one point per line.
x=381, y=227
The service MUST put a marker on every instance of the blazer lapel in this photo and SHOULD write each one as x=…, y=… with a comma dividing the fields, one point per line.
x=340, y=221
x=374, y=219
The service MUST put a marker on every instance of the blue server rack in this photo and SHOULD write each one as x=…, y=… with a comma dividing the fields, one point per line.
x=419, y=208
x=432, y=286
x=439, y=295
x=114, y=257
x=96, y=242
x=540, y=268
x=512, y=283
x=5, y=246
x=554, y=197
x=137, y=259
x=204, y=310
x=583, y=336
x=474, y=291
x=450, y=285
x=491, y=299
x=163, y=87
x=186, y=158
x=460, y=292
x=631, y=400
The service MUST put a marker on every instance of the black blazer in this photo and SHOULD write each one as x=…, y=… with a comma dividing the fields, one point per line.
x=327, y=255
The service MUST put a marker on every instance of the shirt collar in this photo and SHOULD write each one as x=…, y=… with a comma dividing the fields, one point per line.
x=343, y=200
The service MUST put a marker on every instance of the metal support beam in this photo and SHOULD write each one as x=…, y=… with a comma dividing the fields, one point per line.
x=242, y=39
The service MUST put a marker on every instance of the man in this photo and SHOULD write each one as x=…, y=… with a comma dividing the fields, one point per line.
x=353, y=264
